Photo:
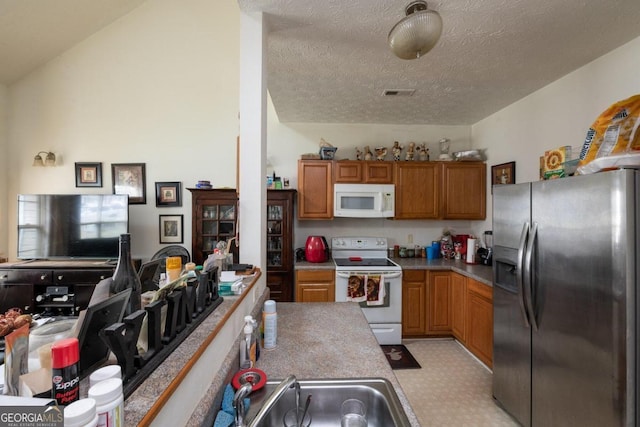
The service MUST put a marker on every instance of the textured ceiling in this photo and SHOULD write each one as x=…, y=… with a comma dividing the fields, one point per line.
x=328, y=60
x=32, y=32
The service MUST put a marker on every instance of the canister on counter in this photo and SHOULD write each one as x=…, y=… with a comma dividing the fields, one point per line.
x=403, y=252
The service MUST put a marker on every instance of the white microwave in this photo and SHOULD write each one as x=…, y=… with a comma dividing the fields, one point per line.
x=364, y=200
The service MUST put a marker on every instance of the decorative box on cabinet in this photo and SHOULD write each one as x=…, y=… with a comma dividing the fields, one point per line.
x=213, y=215
x=315, y=286
x=315, y=189
x=414, y=302
x=363, y=172
x=280, y=244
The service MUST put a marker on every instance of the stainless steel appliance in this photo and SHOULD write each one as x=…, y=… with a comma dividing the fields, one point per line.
x=566, y=268
x=359, y=258
x=364, y=200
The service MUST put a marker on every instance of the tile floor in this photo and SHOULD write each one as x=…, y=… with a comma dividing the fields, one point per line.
x=452, y=388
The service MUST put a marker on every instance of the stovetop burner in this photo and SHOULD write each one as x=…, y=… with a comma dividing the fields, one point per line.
x=364, y=262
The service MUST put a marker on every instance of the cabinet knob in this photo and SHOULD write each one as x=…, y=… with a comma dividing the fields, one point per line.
x=60, y=277
x=4, y=277
x=43, y=277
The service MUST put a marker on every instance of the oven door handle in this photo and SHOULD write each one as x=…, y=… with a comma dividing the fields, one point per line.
x=390, y=275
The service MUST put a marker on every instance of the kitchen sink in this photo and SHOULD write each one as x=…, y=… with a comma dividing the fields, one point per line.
x=383, y=406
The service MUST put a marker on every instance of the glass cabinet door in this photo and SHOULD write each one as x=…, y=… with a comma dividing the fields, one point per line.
x=274, y=235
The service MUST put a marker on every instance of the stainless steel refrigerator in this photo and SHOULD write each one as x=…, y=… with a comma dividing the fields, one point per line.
x=566, y=268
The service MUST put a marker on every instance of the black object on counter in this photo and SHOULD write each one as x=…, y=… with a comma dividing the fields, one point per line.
x=126, y=277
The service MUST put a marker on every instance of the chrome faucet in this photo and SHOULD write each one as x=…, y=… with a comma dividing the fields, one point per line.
x=274, y=397
x=238, y=403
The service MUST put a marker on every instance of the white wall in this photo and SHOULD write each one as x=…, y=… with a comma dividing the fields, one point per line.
x=558, y=114
x=158, y=86
x=4, y=174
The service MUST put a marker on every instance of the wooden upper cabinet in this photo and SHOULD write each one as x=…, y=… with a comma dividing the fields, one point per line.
x=464, y=190
x=417, y=190
x=315, y=189
x=363, y=172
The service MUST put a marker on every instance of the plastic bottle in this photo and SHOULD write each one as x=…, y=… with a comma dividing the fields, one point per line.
x=110, y=371
x=270, y=324
x=247, y=348
x=81, y=413
x=256, y=334
x=109, y=400
x=64, y=371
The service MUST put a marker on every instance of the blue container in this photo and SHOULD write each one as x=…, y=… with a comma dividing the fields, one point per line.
x=436, y=248
x=431, y=252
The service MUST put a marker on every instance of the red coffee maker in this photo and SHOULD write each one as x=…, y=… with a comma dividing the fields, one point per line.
x=316, y=249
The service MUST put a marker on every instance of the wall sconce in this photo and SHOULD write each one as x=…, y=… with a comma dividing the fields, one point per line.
x=50, y=159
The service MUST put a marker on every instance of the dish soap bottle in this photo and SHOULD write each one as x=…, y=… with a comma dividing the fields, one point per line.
x=256, y=334
x=247, y=347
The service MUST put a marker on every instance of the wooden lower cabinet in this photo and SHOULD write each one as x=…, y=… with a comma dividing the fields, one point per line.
x=458, y=306
x=445, y=303
x=315, y=286
x=439, y=300
x=414, y=302
x=479, y=322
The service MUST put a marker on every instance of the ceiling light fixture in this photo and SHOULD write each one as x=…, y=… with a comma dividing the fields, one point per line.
x=50, y=159
x=417, y=33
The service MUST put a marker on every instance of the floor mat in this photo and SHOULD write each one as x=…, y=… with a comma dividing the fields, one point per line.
x=399, y=357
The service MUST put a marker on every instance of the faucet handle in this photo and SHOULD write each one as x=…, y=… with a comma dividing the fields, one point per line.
x=238, y=403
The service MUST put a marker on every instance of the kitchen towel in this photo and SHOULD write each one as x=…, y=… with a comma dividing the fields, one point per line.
x=375, y=289
x=356, y=289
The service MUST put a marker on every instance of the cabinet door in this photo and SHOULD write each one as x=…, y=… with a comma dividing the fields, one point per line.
x=315, y=189
x=348, y=171
x=464, y=194
x=315, y=286
x=378, y=172
x=480, y=321
x=458, y=305
x=417, y=194
x=439, y=302
x=280, y=286
x=414, y=302
x=16, y=295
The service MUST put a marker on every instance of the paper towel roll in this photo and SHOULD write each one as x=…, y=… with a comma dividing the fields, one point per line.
x=471, y=251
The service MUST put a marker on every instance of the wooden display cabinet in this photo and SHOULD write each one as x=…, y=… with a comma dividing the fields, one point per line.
x=214, y=218
x=315, y=189
x=280, y=244
x=315, y=286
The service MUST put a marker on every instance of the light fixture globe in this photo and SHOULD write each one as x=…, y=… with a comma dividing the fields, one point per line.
x=417, y=33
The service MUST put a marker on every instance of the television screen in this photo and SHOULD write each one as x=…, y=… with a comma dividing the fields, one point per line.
x=71, y=225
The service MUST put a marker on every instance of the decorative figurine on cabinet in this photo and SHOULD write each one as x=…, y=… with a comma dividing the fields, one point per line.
x=381, y=152
x=359, y=154
x=410, y=151
x=396, y=150
x=368, y=155
x=423, y=152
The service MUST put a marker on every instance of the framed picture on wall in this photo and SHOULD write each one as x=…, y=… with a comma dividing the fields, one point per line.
x=88, y=174
x=171, y=228
x=504, y=173
x=168, y=194
x=130, y=179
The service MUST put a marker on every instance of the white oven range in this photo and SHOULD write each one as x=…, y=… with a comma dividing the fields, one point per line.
x=358, y=258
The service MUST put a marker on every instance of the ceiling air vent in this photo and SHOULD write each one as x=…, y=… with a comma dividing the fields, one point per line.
x=398, y=92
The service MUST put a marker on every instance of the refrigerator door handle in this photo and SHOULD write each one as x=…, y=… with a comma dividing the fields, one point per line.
x=527, y=277
x=519, y=272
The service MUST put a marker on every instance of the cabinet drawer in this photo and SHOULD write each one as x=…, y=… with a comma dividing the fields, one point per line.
x=414, y=275
x=315, y=275
x=71, y=277
x=26, y=276
x=480, y=289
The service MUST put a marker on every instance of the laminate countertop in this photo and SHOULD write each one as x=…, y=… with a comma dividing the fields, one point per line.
x=479, y=272
x=328, y=340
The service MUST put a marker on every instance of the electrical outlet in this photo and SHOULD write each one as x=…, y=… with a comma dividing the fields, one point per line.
x=410, y=238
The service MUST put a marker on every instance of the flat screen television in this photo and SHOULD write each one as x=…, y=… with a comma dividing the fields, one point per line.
x=67, y=226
